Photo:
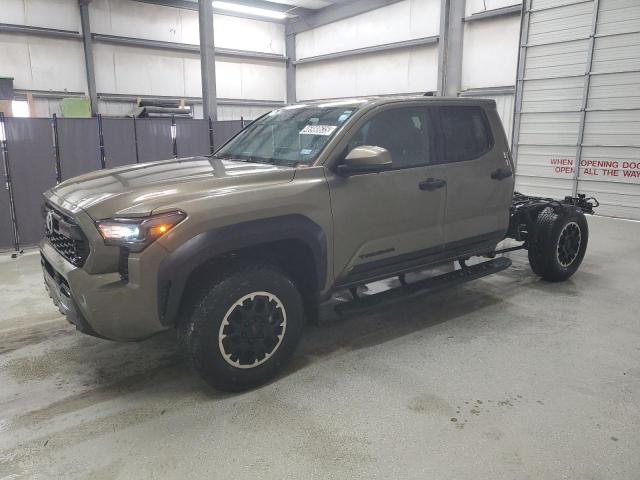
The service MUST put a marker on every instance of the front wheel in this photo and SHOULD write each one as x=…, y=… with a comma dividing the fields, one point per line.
x=560, y=244
x=243, y=327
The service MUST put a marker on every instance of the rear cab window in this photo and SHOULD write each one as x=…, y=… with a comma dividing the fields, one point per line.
x=466, y=133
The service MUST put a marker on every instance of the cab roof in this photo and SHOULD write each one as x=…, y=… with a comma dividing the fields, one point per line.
x=374, y=101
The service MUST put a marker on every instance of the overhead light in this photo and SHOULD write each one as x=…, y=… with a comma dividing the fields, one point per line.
x=259, y=12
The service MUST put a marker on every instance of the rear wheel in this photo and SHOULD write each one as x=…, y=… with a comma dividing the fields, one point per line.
x=243, y=327
x=560, y=244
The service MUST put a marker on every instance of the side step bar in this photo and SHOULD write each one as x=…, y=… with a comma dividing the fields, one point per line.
x=428, y=285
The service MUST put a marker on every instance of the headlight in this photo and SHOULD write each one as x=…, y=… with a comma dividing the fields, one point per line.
x=138, y=233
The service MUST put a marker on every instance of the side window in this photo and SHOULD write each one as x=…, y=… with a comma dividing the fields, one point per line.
x=405, y=132
x=466, y=133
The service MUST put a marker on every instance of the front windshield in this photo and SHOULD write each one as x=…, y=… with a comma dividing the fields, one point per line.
x=290, y=136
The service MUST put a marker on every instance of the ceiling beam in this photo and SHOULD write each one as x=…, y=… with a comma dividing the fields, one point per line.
x=417, y=42
x=39, y=31
x=184, y=47
x=333, y=13
x=496, y=12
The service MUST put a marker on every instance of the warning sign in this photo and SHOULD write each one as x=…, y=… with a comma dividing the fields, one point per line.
x=625, y=170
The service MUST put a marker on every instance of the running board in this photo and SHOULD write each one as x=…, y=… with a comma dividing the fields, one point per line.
x=428, y=285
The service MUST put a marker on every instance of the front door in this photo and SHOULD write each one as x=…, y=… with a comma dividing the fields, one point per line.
x=385, y=221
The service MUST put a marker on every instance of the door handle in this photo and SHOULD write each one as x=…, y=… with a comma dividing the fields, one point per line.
x=431, y=184
x=501, y=174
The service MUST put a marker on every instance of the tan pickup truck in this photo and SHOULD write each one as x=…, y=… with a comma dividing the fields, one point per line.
x=236, y=250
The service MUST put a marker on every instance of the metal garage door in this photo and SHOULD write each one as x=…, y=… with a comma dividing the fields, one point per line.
x=577, y=114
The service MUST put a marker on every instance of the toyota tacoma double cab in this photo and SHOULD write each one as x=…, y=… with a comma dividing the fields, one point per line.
x=237, y=250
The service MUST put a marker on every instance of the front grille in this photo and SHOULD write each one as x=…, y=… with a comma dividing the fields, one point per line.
x=65, y=236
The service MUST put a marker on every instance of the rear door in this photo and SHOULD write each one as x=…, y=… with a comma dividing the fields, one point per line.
x=388, y=220
x=479, y=174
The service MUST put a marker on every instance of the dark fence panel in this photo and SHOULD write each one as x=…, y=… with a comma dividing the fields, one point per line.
x=32, y=170
x=6, y=230
x=223, y=130
x=192, y=137
x=154, y=139
x=79, y=146
x=119, y=141
x=32, y=159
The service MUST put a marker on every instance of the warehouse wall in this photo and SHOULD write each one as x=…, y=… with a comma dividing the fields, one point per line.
x=490, y=56
x=405, y=70
x=58, y=64
x=490, y=52
x=489, y=59
x=579, y=128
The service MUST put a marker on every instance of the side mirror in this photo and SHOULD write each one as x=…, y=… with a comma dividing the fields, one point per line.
x=365, y=159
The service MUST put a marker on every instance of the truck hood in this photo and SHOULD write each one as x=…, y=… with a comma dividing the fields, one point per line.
x=141, y=189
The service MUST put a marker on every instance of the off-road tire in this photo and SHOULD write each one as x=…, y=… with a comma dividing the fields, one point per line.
x=200, y=330
x=549, y=257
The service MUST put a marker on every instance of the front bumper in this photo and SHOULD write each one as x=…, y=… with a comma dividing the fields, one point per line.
x=60, y=292
x=101, y=304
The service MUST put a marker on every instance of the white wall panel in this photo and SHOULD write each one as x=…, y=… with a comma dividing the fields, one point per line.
x=12, y=11
x=549, y=128
x=612, y=127
x=543, y=4
x=142, y=71
x=141, y=20
x=477, y=6
x=136, y=19
x=401, y=71
x=62, y=14
x=42, y=63
x=245, y=34
x=45, y=107
x=116, y=109
x=614, y=90
x=570, y=22
x=490, y=52
x=553, y=95
x=618, y=16
x=617, y=53
x=556, y=60
x=234, y=112
x=405, y=20
x=504, y=106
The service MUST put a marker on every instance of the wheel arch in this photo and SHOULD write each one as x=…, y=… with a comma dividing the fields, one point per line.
x=294, y=242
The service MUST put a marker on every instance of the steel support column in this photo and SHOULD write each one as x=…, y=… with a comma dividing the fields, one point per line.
x=450, y=47
x=88, y=55
x=290, y=53
x=207, y=60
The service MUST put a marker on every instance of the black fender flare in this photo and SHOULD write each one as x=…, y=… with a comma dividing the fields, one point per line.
x=175, y=269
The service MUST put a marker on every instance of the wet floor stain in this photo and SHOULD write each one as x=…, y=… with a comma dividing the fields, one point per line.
x=430, y=404
x=476, y=407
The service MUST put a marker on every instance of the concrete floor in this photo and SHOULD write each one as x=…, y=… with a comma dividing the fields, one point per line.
x=508, y=377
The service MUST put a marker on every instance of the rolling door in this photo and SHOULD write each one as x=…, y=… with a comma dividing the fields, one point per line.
x=577, y=115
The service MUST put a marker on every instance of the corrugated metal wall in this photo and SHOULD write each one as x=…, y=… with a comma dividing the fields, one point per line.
x=577, y=121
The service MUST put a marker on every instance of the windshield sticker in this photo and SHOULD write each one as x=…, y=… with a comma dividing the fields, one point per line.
x=306, y=151
x=344, y=116
x=324, y=130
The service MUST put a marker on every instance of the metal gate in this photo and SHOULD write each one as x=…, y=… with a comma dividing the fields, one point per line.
x=577, y=109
